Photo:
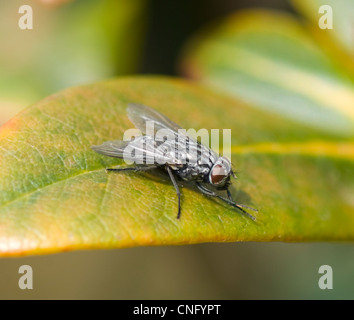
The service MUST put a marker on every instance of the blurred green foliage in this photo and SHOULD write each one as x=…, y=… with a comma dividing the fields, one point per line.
x=74, y=43
x=270, y=60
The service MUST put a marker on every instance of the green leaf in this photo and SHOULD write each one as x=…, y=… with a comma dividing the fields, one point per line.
x=269, y=59
x=56, y=195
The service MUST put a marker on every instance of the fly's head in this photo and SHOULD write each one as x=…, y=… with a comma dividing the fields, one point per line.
x=220, y=173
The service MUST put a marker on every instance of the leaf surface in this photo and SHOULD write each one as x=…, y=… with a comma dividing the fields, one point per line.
x=56, y=195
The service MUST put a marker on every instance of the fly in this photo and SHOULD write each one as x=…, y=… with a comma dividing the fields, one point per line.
x=180, y=155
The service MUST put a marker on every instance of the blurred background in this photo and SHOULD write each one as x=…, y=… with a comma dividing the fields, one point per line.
x=82, y=41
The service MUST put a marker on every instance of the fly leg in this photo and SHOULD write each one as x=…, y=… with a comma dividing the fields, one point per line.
x=177, y=190
x=240, y=205
x=132, y=168
x=229, y=194
x=211, y=193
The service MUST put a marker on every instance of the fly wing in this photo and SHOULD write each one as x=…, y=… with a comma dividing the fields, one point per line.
x=141, y=150
x=195, y=152
x=139, y=114
x=111, y=148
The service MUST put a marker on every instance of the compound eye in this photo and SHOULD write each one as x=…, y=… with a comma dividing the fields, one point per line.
x=218, y=174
